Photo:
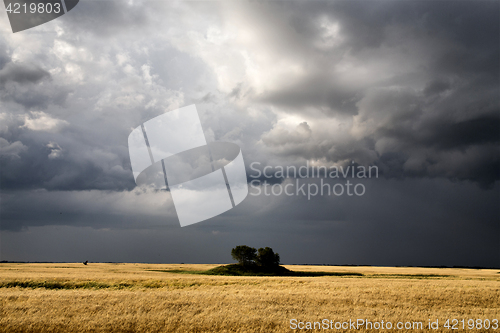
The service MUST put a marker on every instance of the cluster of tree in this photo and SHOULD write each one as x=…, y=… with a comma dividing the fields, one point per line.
x=249, y=256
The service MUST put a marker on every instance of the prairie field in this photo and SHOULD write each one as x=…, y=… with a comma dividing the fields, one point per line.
x=104, y=297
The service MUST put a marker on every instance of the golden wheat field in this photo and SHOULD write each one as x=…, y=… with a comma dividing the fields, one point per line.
x=163, y=298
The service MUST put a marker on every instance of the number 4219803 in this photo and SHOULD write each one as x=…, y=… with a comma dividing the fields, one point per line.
x=455, y=324
x=34, y=8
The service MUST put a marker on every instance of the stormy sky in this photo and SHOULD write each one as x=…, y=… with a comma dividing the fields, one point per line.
x=411, y=87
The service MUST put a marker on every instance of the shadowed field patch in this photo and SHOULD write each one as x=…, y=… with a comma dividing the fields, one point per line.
x=238, y=270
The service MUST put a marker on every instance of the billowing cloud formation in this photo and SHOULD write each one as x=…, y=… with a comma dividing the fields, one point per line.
x=21, y=74
x=40, y=121
x=411, y=86
x=11, y=149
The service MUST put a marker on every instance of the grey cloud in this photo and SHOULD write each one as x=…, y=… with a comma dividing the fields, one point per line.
x=436, y=86
x=22, y=74
x=86, y=209
x=321, y=92
x=29, y=85
x=446, y=110
x=78, y=166
x=4, y=57
x=107, y=18
x=90, y=150
x=11, y=150
x=477, y=131
x=34, y=97
x=442, y=115
x=301, y=134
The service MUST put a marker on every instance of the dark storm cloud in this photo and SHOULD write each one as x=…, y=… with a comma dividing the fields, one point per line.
x=86, y=209
x=4, y=57
x=439, y=126
x=480, y=130
x=322, y=92
x=472, y=24
x=61, y=155
x=79, y=140
x=438, y=113
x=435, y=87
x=18, y=83
x=35, y=170
x=34, y=97
x=28, y=84
x=21, y=74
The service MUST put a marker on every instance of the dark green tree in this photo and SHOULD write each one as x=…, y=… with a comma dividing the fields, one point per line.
x=245, y=255
x=267, y=258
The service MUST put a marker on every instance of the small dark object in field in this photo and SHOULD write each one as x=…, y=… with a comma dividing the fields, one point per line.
x=85, y=262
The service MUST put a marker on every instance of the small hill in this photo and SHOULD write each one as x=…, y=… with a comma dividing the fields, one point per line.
x=254, y=270
x=251, y=270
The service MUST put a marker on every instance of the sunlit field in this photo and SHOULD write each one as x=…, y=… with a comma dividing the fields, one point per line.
x=167, y=298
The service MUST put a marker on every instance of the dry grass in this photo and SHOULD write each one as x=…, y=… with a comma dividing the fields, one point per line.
x=137, y=298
